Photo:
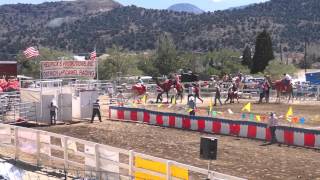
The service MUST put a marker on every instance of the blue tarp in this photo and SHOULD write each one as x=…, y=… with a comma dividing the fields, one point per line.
x=313, y=78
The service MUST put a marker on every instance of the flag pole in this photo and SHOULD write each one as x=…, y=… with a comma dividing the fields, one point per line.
x=97, y=63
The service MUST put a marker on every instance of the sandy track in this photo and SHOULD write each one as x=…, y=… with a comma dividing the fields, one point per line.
x=237, y=156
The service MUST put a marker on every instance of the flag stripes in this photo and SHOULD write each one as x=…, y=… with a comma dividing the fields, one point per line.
x=93, y=55
x=31, y=52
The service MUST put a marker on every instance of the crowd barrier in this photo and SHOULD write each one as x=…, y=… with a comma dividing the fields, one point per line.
x=286, y=135
x=100, y=161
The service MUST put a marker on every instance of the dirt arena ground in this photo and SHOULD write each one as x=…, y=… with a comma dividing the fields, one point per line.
x=236, y=156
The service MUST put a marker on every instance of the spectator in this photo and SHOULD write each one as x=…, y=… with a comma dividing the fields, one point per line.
x=192, y=107
x=140, y=80
x=190, y=92
x=261, y=91
x=217, y=95
x=96, y=111
x=272, y=124
x=110, y=91
x=53, y=109
x=174, y=96
x=197, y=92
x=299, y=90
x=267, y=87
x=120, y=99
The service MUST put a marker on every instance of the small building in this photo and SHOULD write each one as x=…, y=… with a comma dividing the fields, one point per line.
x=8, y=68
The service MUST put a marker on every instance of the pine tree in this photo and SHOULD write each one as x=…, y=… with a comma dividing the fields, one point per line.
x=246, y=57
x=263, y=52
x=166, y=56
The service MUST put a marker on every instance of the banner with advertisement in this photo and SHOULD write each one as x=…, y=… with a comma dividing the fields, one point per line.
x=64, y=68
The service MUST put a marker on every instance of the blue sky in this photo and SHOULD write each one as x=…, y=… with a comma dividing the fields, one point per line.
x=208, y=5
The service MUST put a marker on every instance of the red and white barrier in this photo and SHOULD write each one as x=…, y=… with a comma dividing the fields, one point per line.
x=247, y=129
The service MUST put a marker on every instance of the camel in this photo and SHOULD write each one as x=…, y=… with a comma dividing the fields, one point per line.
x=231, y=96
x=138, y=90
x=282, y=89
x=165, y=87
x=179, y=86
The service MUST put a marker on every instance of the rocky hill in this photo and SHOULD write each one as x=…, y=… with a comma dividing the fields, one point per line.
x=79, y=26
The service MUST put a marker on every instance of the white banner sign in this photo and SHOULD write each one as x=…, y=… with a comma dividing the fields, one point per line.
x=56, y=69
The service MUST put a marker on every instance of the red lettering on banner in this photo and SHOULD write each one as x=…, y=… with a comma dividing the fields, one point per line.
x=52, y=69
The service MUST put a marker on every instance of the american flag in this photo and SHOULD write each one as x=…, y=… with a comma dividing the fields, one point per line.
x=93, y=55
x=31, y=52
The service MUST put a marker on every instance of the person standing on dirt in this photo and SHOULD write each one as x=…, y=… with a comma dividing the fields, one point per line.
x=53, y=109
x=140, y=81
x=267, y=87
x=190, y=91
x=192, y=106
x=96, y=111
x=174, y=95
x=261, y=91
x=217, y=95
x=197, y=92
x=272, y=124
x=120, y=99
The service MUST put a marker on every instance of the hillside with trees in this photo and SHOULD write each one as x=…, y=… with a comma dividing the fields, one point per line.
x=77, y=28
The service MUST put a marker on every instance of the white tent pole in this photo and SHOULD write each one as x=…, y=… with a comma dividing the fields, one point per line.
x=41, y=110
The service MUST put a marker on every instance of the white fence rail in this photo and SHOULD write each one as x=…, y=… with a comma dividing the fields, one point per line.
x=46, y=148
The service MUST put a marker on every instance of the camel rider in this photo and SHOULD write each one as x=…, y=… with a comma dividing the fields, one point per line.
x=140, y=80
x=287, y=79
x=234, y=88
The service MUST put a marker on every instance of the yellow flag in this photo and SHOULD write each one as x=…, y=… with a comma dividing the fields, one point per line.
x=258, y=117
x=247, y=107
x=210, y=105
x=290, y=112
x=134, y=105
x=144, y=99
x=174, y=100
x=160, y=105
x=189, y=110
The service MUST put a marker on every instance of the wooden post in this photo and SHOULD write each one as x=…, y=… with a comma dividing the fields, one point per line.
x=38, y=147
x=131, y=163
x=97, y=159
x=65, y=151
x=168, y=170
x=16, y=143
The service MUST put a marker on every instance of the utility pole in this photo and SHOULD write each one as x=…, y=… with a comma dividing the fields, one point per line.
x=305, y=56
x=281, y=52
